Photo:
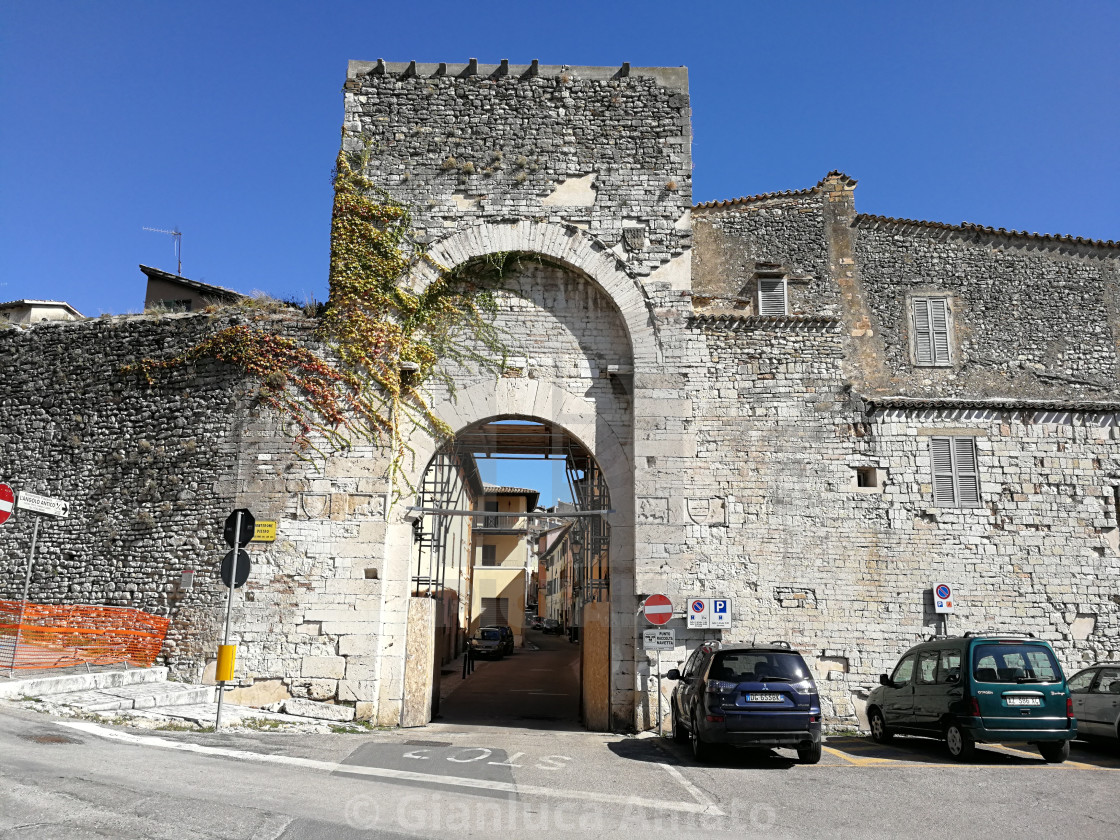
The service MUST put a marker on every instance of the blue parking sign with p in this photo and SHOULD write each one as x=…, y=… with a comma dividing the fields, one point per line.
x=719, y=606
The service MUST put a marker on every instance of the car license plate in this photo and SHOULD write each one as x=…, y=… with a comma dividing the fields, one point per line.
x=768, y=697
x=1023, y=701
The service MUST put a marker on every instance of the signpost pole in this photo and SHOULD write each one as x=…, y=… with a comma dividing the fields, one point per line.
x=229, y=612
x=26, y=589
x=660, y=717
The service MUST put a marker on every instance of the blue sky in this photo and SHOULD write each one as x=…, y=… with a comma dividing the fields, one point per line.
x=222, y=119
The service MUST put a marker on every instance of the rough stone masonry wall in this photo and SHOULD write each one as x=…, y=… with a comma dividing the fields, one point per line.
x=150, y=473
x=585, y=146
x=785, y=230
x=1031, y=319
x=768, y=513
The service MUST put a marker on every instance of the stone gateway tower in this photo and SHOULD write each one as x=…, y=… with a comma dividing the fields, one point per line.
x=811, y=412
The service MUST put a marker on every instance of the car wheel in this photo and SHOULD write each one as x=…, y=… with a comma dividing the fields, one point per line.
x=879, y=732
x=1054, y=752
x=680, y=734
x=961, y=745
x=701, y=749
x=810, y=754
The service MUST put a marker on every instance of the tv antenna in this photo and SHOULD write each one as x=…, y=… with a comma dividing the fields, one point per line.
x=178, y=234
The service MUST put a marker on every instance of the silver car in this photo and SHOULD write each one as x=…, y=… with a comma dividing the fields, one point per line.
x=1096, y=700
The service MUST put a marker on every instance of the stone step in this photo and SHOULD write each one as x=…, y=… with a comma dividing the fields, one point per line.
x=140, y=696
x=203, y=714
x=47, y=686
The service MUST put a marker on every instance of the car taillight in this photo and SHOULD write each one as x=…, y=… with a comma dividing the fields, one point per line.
x=720, y=687
x=1069, y=707
x=974, y=707
x=714, y=718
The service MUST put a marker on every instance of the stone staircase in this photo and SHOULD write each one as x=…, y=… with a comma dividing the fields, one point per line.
x=144, y=694
x=107, y=691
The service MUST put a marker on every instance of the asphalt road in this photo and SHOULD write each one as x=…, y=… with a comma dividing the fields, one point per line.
x=503, y=777
x=536, y=687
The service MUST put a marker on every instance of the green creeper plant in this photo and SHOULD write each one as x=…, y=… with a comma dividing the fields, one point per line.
x=387, y=341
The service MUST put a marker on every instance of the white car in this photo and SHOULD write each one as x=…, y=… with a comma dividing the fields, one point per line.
x=1096, y=700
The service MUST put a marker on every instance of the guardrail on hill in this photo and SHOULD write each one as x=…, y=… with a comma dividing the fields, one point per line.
x=38, y=636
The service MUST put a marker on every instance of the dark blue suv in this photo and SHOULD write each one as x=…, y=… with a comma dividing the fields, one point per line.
x=747, y=696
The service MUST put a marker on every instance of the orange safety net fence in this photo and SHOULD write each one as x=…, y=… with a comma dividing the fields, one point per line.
x=49, y=636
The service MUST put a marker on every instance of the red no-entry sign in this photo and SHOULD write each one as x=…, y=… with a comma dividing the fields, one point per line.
x=7, y=502
x=658, y=609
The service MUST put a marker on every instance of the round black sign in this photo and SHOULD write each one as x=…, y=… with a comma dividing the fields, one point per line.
x=243, y=566
x=248, y=526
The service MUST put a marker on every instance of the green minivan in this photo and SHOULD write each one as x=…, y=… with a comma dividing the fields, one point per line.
x=993, y=687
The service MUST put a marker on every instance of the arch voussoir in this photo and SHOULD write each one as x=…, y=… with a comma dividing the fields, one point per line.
x=566, y=244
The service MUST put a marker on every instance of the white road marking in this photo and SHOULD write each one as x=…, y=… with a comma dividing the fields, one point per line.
x=509, y=761
x=485, y=754
x=386, y=773
x=701, y=798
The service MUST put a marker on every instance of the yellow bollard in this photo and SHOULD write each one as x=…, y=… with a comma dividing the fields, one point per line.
x=227, y=654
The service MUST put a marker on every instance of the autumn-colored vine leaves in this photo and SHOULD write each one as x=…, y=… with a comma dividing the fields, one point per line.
x=375, y=326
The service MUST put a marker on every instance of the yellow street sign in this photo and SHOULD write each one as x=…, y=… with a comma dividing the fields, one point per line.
x=265, y=532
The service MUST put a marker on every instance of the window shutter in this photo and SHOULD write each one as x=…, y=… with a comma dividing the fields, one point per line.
x=494, y=612
x=939, y=329
x=968, y=477
x=941, y=458
x=771, y=296
x=923, y=340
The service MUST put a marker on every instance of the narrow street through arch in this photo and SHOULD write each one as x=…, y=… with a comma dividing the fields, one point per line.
x=520, y=590
x=535, y=688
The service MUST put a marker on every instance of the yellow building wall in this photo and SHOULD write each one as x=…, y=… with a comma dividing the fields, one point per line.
x=499, y=582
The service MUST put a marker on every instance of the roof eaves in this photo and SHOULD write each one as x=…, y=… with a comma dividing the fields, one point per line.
x=835, y=174
x=974, y=228
x=999, y=403
x=158, y=274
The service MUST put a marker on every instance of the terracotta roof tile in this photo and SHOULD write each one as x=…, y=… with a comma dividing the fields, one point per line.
x=969, y=227
x=1001, y=403
x=750, y=199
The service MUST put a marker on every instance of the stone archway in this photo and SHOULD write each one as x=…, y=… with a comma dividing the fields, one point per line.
x=570, y=246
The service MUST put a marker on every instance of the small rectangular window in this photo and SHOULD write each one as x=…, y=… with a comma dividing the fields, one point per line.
x=931, y=331
x=772, y=297
x=489, y=555
x=956, y=472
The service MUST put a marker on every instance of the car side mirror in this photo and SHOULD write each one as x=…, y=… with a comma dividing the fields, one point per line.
x=885, y=680
x=672, y=674
x=953, y=678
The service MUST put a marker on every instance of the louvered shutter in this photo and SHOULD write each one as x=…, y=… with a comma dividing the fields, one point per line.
x=941, y=459
x=494, y=612
x=771, y=296
x=939, y=329
x=923, y=339
x=967, y=470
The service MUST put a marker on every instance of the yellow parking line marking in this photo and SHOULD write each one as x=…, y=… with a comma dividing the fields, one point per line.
x=858, y=762
x=1078, y=764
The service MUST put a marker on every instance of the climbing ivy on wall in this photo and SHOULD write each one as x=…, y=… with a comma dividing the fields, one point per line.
x=387, y=341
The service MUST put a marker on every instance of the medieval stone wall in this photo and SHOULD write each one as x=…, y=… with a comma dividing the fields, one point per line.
x=150, y=473
x=586, y=146
x=785, y=231
x=1029, y=317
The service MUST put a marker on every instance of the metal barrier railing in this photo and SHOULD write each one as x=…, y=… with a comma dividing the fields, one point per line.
x=37, y=636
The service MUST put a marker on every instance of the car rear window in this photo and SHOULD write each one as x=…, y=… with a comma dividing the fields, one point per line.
x=751, y=666
x=1014, y=663
x=491, y=634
